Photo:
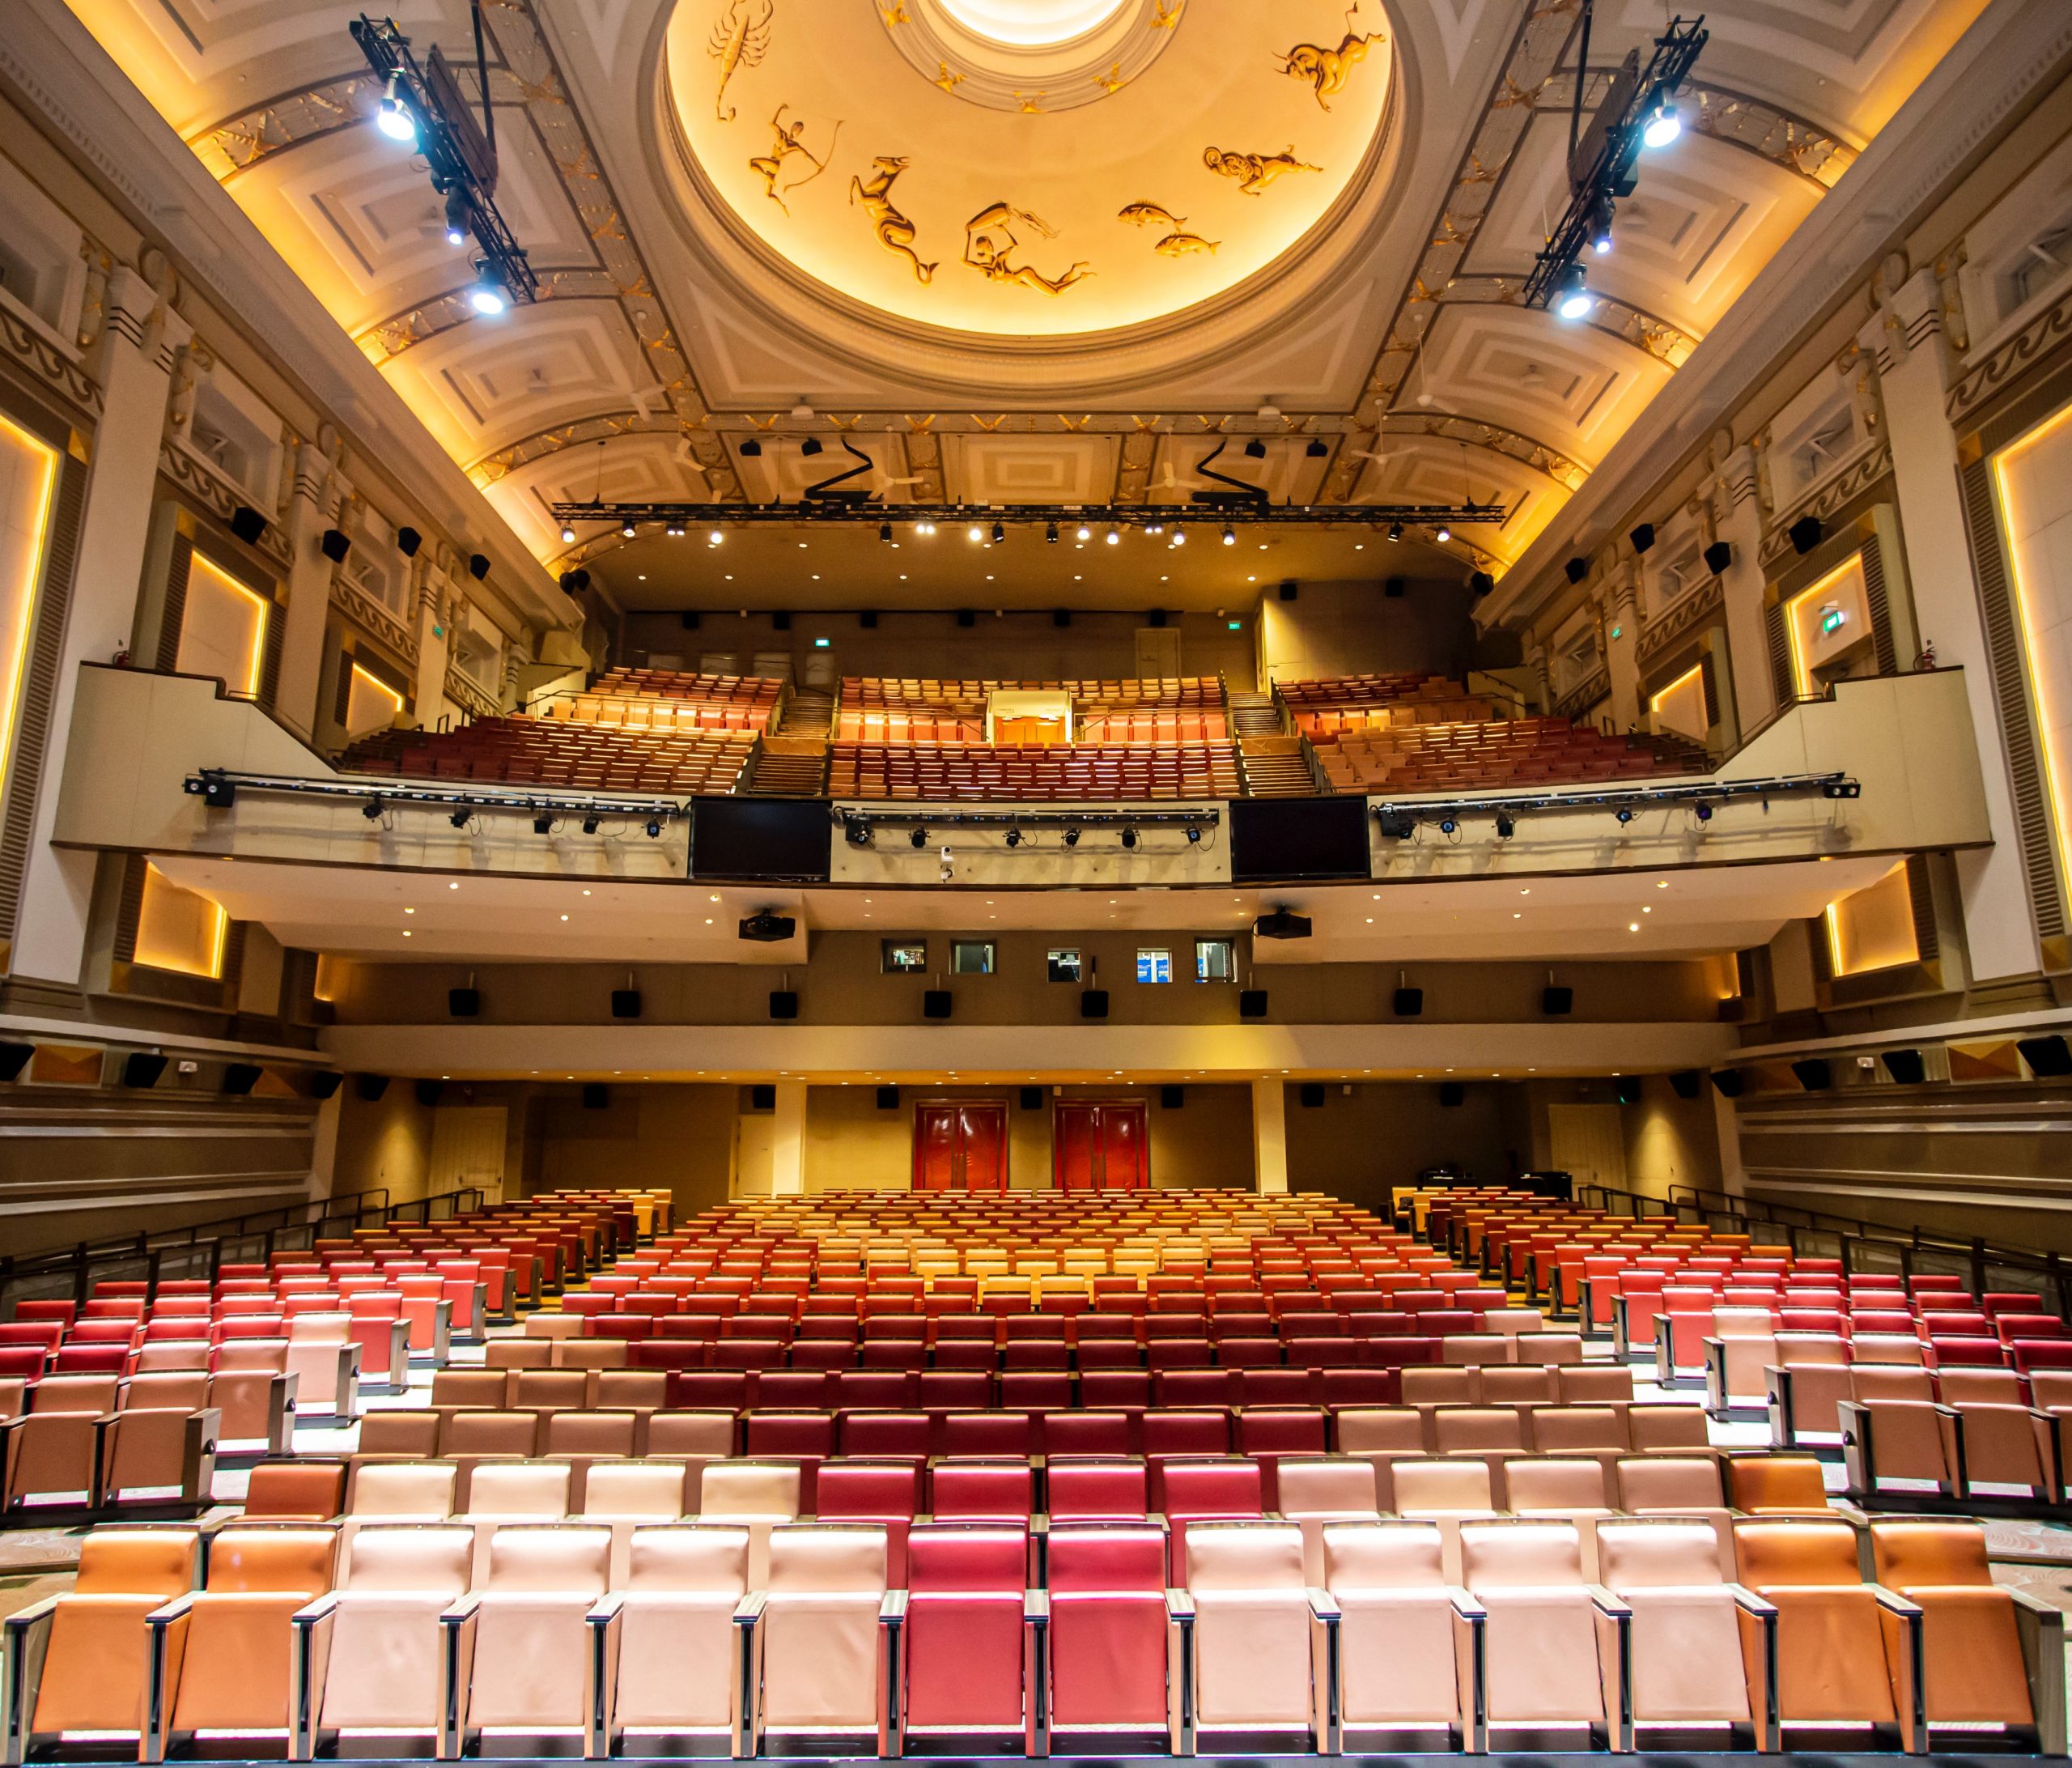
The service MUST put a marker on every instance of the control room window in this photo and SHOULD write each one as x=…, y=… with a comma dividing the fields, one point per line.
x=1154, y=963
x=1063, y=964
x=904, y=957
x=1216, y=960
x=971, y=957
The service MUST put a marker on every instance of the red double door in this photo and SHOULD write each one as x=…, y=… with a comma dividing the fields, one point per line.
x=1099, y=1145
x=961, y=1144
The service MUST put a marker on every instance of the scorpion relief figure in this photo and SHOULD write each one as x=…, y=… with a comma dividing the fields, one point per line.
x=1254, y=171
x=895, y=232
x=990, y=241
x=790, y=139
x=740, y=39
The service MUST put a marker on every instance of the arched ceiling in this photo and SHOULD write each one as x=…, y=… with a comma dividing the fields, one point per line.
x=1371, y=309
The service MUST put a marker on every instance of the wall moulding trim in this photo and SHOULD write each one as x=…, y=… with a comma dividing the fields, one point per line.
x=50, y=367
x=377, y=621
x=2005, y=373
x=1587, y=692
x=1861, y=477
x=1681, y=617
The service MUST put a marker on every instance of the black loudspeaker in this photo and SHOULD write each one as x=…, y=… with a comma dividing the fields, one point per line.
x=1409, y=1003
x=428, y=1093
x=240, y=1078
x=1909, y=1068
x=1480, y=583
x=407, y=541
x=1628, y=1088
x=1061, y=617
x=324, y=1082
x=1289, y=589
x=248, y=524
x=887, y=1098
x=1642, y=538
x=478, y=566
x=965, y=617
x=2047, y=1057
x=335, y=545
x=626, y=1003
x=762, y=1098
x=1452, y=1093
x=1718, y=556
x=1093, y=1003
x=369, y=1087
x=463, y=1003
x=691, y=619
x=1686, y=1082
x=1726, y=1082
x=1312, y=1094
x=1032, y=1099
x=1171, y=1098
x=780, y=622
x=1156, y=617
x=1806, y=533
x=868, y=620
x=595, y=1095
x=1392, y=587
x=13, y=1058
x=1251, y=1003
x=1814, y=1074
x=142, y=1069
x=1556, y=1001
x=1577, y=569
x=935, y=1004
x=783, y=1003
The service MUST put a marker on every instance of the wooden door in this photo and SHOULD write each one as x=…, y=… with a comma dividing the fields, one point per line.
x=960, y=1144
x=1158, y=652
x=1101, y=1144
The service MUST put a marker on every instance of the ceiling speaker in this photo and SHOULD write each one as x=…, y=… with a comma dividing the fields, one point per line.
x=1312, y=1094
x=324, y=1082
x=248, y=524
x=13, y=1058
x=1392, y=587
x=369, y=1087
x=1686, y=1082
x=2047, y=1057
x=463, y=1003
x=1409, y=1003
x=1032, y=1099
x=407, y=541
x=1642, y=536
x=595, y=1095
x=335, y=545
x=1577, y=569
x=935, y=1004
x=1908, y=1068
x=626, y=1003
x=1628, y=1088
x=1727, y=1082
x=478, y=566
x=1718, y=556
x=142, y=1069
x=1289, y=589
x=887, y=1098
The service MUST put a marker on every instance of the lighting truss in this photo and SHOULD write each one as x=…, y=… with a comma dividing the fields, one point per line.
x=461, y=155
x=221, y=785
x=845, y=512
x=925, y=818
x=1400, y=819
x=1607, y=151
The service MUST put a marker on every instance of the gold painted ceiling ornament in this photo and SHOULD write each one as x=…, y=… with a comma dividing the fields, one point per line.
x=1254, y=171
x=1030, y=104
x=895, y=232
x=1185, y=246
x=1327, y=70
x=948, y=81
x=990, y=241
x=1144, y=214
x=740, y=39
x=790, y=139
x=1165, y=14
x=894, y=13
x=1112, y=81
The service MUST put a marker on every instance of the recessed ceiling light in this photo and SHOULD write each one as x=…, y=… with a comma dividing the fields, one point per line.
x=409, y=912
x=406, y=933
x=454, y=886
x=1633, y=927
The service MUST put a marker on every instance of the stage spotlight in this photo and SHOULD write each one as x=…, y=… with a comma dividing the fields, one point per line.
x=1600, y=229
x=1317, y=448
x=1443, y=533
x=810, y=447
x=999, y=532
x=543, y=824
x=1180, y=537
x=714, y=538
x=1051, y=532
x=1115, y=537
x=974, y=534
x=488, y=296
x=1395, y=531
x=1704, y=812
x=1255, y=449
x=1624, y=813
x=459, y=817
x=1506, y=826
x=885, y=533
x=1129, y=840
x=918, y=839
x=1194, y=835
x=628, y=529
x=1084, y=533
x=567, y=535
x=457, y=216
x=674, y=531
x=1230, y=535
x=1014, y=838
x=372, y=810
x=590, y=824
x=1072, y=838
x=1572, y=299
x=654, y=828
x=1663, y=126
x=856, y=831
x=1447, y=825
x=393, y=117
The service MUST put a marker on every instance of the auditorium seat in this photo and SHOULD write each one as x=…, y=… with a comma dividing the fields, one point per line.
x=672, y=1648
x=1545, y=1677
x=827, y=1663
x=517, y=1640
x=627, y=1495
x=1108, y=1634
x=1246, y=1651
x=1314, y=1493
x=969, y=1612
x=760, y=1496
x=1408, y=1649
x=1690, y=1670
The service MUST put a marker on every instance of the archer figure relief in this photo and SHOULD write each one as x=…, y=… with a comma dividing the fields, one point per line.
x=790, y=140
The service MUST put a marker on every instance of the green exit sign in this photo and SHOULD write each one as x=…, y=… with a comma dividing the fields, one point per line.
x=1832, y=621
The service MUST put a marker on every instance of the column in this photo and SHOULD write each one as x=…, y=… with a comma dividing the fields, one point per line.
x=132, y=361
x=1738, y=520
x=1540, y=668
x=787, y=1142
x=1621, y=616
x=1911, y=349
x=312, y=498
x=434, y=603
x=1270, y=1136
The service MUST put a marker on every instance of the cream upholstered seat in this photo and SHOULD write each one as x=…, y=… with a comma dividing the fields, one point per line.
x=826, y=1658
x=1688, y=1668
x=757, y=1494
x=1406, y=1650
x=1542, y=1657
x=521, y=1667
x=1316, y=1490
x=370, y=1648
x=628, y=1494
x=1247, y=1649
x=665, y=1644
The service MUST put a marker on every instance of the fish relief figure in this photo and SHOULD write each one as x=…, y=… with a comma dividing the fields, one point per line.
x=790, y=140
x=895, y=232
x=990, y=241
x=1184, y=245
x=1254, y=172
x=1144, y=214
x=1327, y=70
x=740, y=39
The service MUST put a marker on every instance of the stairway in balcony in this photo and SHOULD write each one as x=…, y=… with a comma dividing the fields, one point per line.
x=790, y=768
x=1276, y=767
x=1253, y=715
x=807, y=713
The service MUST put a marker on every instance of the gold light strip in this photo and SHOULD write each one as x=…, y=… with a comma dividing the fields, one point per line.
x=17, y=658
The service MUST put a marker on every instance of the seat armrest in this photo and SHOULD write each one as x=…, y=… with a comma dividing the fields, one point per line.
x=309, y=1661
x=1893, y=1602
x=2042, y=1628
x=159, y=1674
x=1910, y=1677
x=22, y=1669
x=1747, y=1600
x=1322, y=1604
x=1608, y=1602
x=749, y=1610
x=605, y=1610
x=892, y=1609
x=321, y=1610
x=463, y=1608
x=1179, y=1605
x=1036, y=1607
x=1467, y=1607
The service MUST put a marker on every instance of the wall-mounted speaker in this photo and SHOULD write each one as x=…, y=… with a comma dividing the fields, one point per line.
x=595, y=1095
x=1251, y=1003
x=369, y=1087
x=1814, y=1074
x=1687, y=1083
x=240, y=1078
x=1171, y=1098
x=1031, y=1099
x=1289, y=589
x=142, y=1069
x=691, y=619
x=1312, y=1094
x=1908, y=1068
x=407, y=541
x=1718, y=556
x=248, y=524
x=1392, y=587
x=762, y=1097
x=783, y=1003
x=1628, y=1089
x=1157, y=617
x=887, y=1098
x=1061, y=617
x=1408, y=1002
x=1093, y=1003
x=463, y=1003
x=1480, y=583
x=1575, y=570
x=626, y=1003
x=935, y=1004
x=1727, y=1082
x=967, y=617
x=780, y=622
x=1556, y=1001
x=1806, y=533
x=324, y=1082
x=2047, y=1057
x=335, y=545
x=478, y=566
x=867, y=619
x=13, y=1058
x=429, y=1093
x=1642, y=536
x=1452, y=1093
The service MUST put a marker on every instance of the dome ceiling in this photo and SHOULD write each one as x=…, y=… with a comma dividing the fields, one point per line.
x=1027, y=167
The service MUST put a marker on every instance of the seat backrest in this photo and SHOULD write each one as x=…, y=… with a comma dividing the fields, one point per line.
x=860, y=1489
x=243, y=1560
x=1338, y=1485
x=1870, y=1382
x=569, y=1559
x=1477, y=1427
x=1435, y=1484
x=1913, y=1555
x=1228, y=1487
x=1669, y=1482
x=402, y=1488
x=1633, y=1555
x=1555, y=1483
x=1107, y=1556
x=1096, y=1490
x=962, y=1558
x=691, y=1556
x=1249, y=1557
x=1658, y=1427
x=520, y=1489
x=812, y=1559
x=489, y=1433
x=1383, y=1556
x=1776, y=1553
x=138, y=1561
x=399, y=1556
x=1370, y=1428
x=76, y=1393
x=750, y=1489
x=1776, y=1482
x=635, y=1488
x=981, y=1488
x=1512, y=1555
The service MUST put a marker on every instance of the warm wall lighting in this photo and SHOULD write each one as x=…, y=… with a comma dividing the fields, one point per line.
x=24, y=535
x=223, y=629
x=2026, y=559
x=1872, y=928
x=179, y=930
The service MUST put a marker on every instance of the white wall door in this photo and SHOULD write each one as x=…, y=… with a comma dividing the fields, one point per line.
x=755, y=1150
x=1157, y=654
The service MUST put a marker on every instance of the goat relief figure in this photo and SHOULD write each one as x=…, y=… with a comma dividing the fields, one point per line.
x=740, y=39
x=990, y=243
x=895, y=232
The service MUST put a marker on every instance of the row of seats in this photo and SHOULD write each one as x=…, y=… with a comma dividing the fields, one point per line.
x=1373, y=689
x=1447, y=706
x=761, y=691
x=552, y=752
x=1033, y=771
x=635, y=711
x=417, y=1640
x=1506, y=752
x=1149, y=692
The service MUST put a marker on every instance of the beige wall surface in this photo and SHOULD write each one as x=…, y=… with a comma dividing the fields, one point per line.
x=1354, y=629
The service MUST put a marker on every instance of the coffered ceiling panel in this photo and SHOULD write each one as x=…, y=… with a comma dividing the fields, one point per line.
x=1031, y=469
x=1438, y=470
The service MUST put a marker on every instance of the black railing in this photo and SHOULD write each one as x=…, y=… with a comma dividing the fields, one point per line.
x=198, y=1249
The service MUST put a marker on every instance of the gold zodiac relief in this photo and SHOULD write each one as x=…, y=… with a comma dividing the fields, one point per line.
x=790, y=139
x=740, y=39
x=895, y=232
x=894, y=13
x=1030, y=104
x=948, y=81
x=1254, y=171
x=1184, y=245
x=1166, y=13
x=1112, y=81
x=1144, y=214
x=1327, y=70
x=990, y=241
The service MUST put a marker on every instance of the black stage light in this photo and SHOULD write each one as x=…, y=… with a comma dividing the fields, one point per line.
x=783, y=1003
x=918, y=838
x=543, y=824
x=219, y=794
x=460, y=817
